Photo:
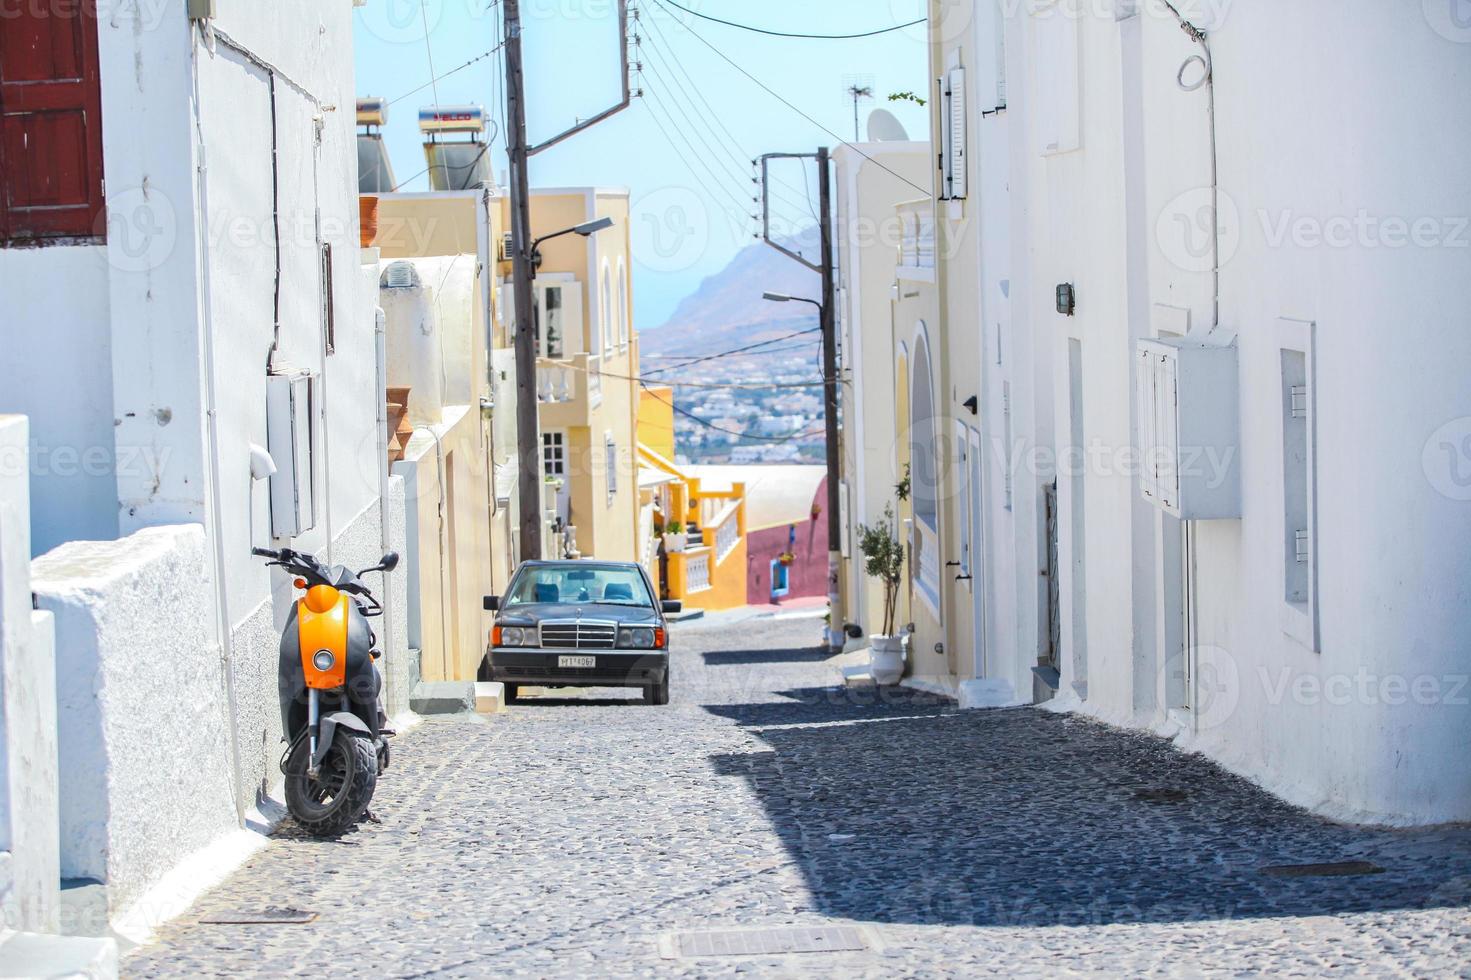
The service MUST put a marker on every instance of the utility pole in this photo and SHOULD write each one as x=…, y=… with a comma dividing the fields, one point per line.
x=837, y=632
x=827, y=313
x=523, y=268
x=528, y=432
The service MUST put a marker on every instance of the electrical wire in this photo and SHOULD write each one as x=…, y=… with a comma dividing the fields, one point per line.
x=812, y=37
x=790, y=437
x=458, y=68
x=774, y=94
x=738, y=350
x=663, y=48
x=428, y=48
x=680, y=150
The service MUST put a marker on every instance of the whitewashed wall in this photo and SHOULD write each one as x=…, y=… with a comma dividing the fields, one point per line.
x=29, y=848
x=1343, y=208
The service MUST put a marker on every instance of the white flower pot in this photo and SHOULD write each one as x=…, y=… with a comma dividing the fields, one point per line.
x=674, y=543
x=886, y=658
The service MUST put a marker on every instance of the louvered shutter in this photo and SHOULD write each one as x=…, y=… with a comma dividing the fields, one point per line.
x=50, y=123
x=955, y=134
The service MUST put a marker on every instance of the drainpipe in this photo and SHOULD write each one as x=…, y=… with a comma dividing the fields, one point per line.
x=380, y=341
x=214, y=507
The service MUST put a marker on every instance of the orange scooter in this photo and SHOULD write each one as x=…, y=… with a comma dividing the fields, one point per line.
x=329, y=688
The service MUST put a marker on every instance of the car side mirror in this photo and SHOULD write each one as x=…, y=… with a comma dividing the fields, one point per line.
x=389, y=562
x=491, y=603
x=671, y=606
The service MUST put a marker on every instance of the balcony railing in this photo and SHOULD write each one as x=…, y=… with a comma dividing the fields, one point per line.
x=574, y=385
x=697, y=570
x=725, y=533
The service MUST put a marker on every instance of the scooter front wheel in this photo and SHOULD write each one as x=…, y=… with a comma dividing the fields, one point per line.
x=330, y=804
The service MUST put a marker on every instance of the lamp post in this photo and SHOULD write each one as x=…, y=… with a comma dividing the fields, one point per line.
x=528, y=428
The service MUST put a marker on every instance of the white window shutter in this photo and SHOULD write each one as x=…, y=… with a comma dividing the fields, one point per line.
x=572, y=335
x=942, y=85
x=955, y=137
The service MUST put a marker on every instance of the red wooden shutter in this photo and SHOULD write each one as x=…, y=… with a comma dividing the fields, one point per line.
x=50, y=123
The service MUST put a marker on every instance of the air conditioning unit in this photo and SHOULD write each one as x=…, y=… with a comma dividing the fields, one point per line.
x=290, y=407
x=1187, y=398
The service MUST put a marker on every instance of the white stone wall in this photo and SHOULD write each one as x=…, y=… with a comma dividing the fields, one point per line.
x=144, y=746
x=1349, y=227
x=29, y=855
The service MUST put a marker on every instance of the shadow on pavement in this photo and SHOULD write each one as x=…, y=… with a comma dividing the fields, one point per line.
x=729, y=658
x=914, y=813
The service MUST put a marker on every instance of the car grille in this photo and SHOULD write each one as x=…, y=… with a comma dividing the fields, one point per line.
x=578, y=634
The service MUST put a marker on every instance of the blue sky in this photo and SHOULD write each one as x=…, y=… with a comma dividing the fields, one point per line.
x=684, y=149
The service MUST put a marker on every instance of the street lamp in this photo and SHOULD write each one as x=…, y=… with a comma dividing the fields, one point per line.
x=784, y=298
x=586, y=229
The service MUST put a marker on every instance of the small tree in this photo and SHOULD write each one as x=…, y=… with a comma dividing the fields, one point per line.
x=883, y=555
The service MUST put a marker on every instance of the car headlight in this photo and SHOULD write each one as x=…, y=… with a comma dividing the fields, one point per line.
x=323, y=660
x=636, y=638
x=518, y=636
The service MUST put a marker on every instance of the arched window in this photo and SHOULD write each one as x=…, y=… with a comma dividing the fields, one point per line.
x=923, y=461
x=622, y=302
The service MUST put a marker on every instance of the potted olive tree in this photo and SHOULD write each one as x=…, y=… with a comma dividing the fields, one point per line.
x=883, y=555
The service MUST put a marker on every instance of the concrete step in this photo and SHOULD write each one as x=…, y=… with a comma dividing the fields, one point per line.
x=688, y=612
x=442, y=697
x=29, y=954
x=490, y=697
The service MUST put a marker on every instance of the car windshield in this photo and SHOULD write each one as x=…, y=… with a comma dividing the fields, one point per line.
x=617, y=584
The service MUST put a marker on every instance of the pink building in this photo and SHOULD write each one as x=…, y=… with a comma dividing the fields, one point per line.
x=784, y=519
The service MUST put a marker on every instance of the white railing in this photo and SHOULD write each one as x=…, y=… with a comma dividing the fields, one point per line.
x=727, y=531
x=554, y=382
x=697, y=572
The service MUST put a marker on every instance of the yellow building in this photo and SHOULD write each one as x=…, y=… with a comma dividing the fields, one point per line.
x=587, y=363
x=451, y=389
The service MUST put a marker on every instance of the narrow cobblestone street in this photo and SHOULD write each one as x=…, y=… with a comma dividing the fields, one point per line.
x=582, y=835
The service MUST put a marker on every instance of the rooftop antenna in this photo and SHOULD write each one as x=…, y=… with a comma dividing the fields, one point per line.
x=859, y=88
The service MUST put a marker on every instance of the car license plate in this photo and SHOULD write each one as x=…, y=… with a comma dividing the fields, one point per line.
x=577, y=661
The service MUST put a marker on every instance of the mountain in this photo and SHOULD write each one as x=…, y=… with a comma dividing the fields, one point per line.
x=726, y=311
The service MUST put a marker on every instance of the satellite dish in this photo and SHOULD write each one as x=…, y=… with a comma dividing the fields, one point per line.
x=884, y=127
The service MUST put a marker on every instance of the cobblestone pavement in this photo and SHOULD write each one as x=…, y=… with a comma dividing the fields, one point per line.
x=575, y=836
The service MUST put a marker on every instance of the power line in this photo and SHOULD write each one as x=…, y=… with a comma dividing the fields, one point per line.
x=790, y=437
x=679, y=149
x=665, y=49
x=428, y=48
x=774, y=94
x=738, y=350
x=458, y=68
x=814, y=37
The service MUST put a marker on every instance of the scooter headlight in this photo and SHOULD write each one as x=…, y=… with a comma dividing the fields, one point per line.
x=323, y=660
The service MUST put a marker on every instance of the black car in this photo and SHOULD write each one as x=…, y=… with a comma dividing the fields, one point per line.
x=582, y=623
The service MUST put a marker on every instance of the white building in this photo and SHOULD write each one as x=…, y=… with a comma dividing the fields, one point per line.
x=1223, y=493
x=145, y=329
